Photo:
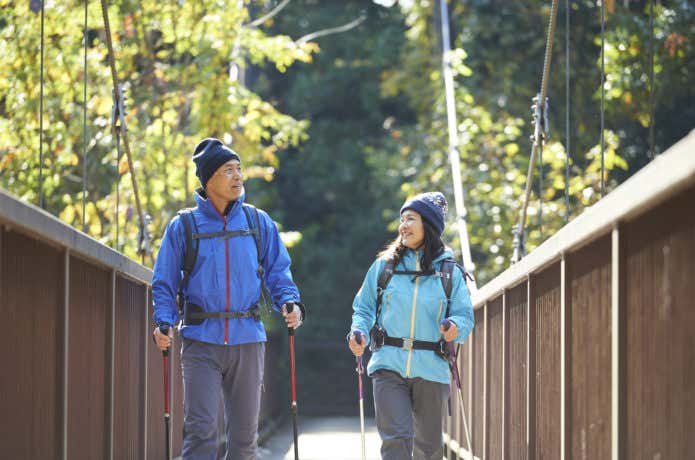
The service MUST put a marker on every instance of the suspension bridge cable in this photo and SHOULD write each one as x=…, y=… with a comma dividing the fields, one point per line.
x=41, y=113
x=144, y=243
x=453, y=142
x=519, y=230
x=652, y=96
x=117, y=137
x=567, y=110
x=603, y=91
x=540, y=189
x=84, y=126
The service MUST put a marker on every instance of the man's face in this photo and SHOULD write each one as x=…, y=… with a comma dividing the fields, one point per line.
x=227, y=182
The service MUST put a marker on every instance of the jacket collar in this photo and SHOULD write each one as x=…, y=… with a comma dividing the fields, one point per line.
x=410, y=255
x=205, y=205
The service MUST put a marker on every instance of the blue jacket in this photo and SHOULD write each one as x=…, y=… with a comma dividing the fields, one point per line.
x=412, y=309
x=224, y=277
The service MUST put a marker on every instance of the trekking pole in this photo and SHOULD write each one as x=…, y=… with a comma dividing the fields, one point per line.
x=360, y=371
x=290, y=330
x=164, y=329
x=446, y=324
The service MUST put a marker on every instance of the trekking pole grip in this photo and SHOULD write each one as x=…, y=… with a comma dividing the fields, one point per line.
x=445, y=323
x=164, y=329
x=290, y=308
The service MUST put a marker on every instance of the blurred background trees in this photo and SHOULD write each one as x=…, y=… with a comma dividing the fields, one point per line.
x=336, y=131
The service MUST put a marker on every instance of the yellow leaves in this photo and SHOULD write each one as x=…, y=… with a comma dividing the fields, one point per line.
x=123, y=165
x=259, y=172
x=180, y=94
x=457, y=56
x=511, y=149
x=643, y=119
x=268, y=155
x=68, y=214
x=69, y=159
x=291, y=239
x=6, y=161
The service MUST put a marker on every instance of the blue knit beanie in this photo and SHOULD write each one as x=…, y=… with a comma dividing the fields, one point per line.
x=209, y=155
x=431, y=206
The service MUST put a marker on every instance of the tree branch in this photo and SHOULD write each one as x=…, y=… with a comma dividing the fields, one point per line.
x=270, y=15
x=333, y=30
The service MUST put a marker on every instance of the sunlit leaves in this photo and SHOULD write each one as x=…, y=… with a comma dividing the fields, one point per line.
x=174, y=59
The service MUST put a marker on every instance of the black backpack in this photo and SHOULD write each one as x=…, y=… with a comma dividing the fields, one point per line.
x=192, y=242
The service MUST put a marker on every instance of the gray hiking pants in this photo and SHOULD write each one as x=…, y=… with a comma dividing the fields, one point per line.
x=409, y=410
x=211, y=371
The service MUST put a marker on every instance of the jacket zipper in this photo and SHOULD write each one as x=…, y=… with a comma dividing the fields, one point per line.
x=226, y=259
x=412, y=314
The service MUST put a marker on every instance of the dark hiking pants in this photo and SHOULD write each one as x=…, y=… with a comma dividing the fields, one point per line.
x=409, y=415
x=213, y=371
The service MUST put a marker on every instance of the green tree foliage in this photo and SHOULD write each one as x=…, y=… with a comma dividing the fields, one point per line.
x=339, y=189
x=378, y=131
x=333, y=148
x=180, y=64
x=497, y=59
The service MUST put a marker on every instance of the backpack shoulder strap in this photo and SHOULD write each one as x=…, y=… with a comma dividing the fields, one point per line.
x=447, y=272
x=191, y=252
x=447, y=278
x=255, y=228
x=385, y=276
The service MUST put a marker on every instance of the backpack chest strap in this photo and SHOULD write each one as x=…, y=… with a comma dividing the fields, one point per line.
x=224, y=234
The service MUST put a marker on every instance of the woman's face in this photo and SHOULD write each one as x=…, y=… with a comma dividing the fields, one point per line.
x=411, y=229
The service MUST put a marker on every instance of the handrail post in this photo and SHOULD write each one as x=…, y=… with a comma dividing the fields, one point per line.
x=66, y=351
x=617, y=315
x=563, y=357
x=530, y=370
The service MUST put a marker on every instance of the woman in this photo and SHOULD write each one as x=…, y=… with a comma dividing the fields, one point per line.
x=403, y=320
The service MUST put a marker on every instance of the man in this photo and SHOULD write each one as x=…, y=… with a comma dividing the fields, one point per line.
x=223, y=337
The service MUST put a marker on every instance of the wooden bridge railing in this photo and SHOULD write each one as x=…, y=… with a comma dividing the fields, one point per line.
x=585, y=349
x=80, y=377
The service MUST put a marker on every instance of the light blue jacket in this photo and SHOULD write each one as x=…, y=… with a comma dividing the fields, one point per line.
x=412, y=308
x=224, y=277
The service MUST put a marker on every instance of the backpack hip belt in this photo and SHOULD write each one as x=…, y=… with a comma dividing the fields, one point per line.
x=410, y=344
x=379, y=338
x=195, y=315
